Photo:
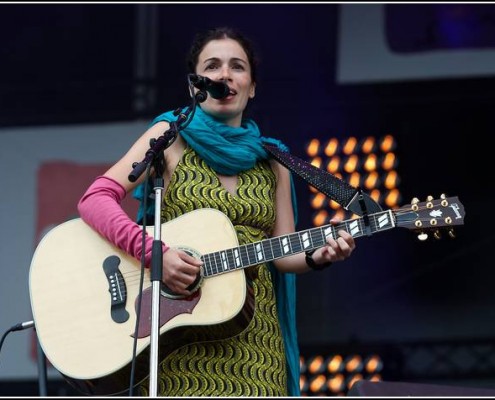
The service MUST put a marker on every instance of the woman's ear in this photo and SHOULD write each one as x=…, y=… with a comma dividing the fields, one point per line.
x=252, y=91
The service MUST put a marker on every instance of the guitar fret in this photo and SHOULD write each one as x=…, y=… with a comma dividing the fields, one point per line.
x=224, y=261
x=285, y=245
x=251, y=254
x=218, y=262
x=317, y=238
x=212, y=264
x=244, y=255
x=277, y=253
x=328, y=232
x=267, y=250
x=260, y=255
x=384, y=220
x=231, y=264
x=306, y=240
x=295, y=243
x=206, y=264
x=375, y=222
x=373, y=225
x=237, y=258
x=354, y=228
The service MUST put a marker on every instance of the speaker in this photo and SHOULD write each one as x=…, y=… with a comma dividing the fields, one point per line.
x=370, y=389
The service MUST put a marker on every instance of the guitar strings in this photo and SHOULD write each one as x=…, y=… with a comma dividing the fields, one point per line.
x=131, y=277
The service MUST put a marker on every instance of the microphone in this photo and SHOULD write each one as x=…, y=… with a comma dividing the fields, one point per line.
x=217, y=89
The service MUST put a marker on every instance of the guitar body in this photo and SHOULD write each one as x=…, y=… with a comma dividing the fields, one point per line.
x=88, y=337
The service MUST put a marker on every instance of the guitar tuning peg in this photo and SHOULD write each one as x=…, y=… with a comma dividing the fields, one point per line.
x=414, y=204
x=444, y=201
x=437, y=235
x=451, y=233
x=423, y=236
x=429, y=201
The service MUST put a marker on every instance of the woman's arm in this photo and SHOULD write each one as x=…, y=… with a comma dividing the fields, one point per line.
x=100, y=207
x=334, y=250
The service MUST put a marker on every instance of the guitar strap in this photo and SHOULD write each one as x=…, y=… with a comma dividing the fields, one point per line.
x=349, y=197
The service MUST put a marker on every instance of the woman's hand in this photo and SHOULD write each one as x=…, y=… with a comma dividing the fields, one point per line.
x=180, y=270
x=337, y=249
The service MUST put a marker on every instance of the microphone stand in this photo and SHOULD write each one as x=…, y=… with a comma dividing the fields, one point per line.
x=155, y=156
x=42, y=374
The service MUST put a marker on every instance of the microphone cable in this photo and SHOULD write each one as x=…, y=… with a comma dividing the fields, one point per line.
x=18, y=327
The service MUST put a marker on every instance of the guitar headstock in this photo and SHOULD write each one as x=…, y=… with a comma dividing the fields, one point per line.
x=431, y=215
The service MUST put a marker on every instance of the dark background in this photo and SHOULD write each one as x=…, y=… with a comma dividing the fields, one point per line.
x=81, y=63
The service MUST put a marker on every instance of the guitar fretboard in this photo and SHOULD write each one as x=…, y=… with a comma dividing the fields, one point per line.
x=282, y=246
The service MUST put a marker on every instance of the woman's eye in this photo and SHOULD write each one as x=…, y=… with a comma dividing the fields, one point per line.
x=211, y=66
x=238, y=66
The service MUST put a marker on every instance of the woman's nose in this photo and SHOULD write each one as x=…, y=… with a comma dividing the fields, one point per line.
x=224, y=73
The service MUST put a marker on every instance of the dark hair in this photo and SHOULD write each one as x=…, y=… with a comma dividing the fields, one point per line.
x=203, y=38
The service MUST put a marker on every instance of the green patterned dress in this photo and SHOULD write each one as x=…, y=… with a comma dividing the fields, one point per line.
x=251, y=363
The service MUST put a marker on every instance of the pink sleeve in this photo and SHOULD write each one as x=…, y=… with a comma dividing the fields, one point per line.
x=100, y=208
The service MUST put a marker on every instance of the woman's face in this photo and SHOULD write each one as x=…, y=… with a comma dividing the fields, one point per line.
x=225, y=59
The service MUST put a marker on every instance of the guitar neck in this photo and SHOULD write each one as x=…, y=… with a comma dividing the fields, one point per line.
x=282, y=246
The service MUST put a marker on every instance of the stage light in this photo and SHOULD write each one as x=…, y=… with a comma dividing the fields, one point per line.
x=353, y=379
x=331, y=147
x=376, y=195
x=333, y=165
x=349, y=146
x=354, y=179
x=313, y=147
x=371, y=180
x=340, y=214
x=336, y=384
x=316, y=162
x=392, y=198
x=316, y=364
x=375, y=378
x=317, y=383
x=387, y=143
x=354, y=363
x=320, y=218
x=318, y=200
x=370, y=162
x=351, y=163
x=373, y=364
x=391, y=179
x=368, y=145
x=302, y=364
x=303, y=383
x=333, y=205
x=335, y=364
x=389, y=161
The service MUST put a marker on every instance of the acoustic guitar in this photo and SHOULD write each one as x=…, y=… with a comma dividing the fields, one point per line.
x=84, y=291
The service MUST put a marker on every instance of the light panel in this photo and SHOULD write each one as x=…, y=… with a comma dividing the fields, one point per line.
x=369, y=163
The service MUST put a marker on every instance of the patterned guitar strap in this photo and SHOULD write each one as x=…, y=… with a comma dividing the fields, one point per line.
x=349, y=197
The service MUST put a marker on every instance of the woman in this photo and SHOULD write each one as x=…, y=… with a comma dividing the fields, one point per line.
x=220, y=156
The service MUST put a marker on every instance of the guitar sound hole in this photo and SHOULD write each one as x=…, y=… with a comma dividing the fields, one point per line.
x=167, y=292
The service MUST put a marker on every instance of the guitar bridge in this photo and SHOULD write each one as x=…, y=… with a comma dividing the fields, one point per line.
x=117, y=289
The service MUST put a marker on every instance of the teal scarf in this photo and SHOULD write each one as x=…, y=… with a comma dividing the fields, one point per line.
x=230, y=150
